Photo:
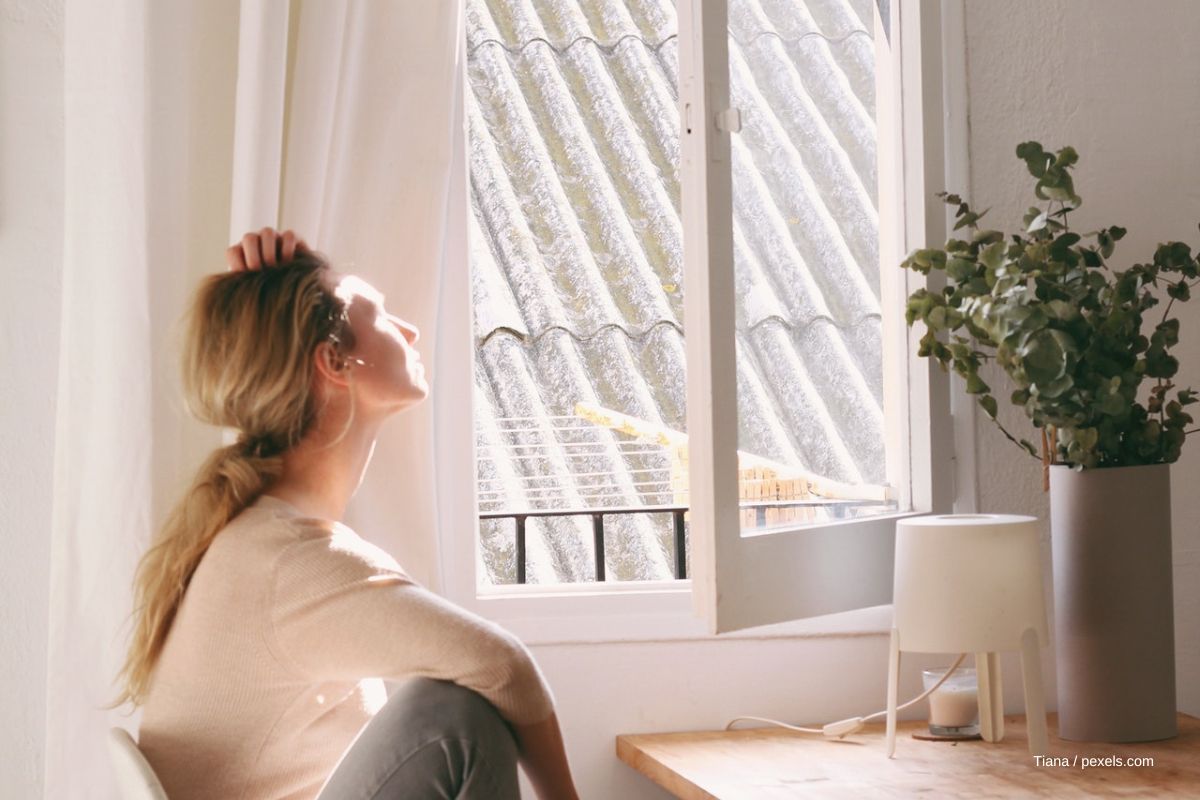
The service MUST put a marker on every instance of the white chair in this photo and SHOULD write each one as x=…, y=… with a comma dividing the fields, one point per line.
x=135, y=778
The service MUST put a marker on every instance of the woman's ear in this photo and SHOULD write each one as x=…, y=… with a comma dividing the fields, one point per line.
x=331, y=365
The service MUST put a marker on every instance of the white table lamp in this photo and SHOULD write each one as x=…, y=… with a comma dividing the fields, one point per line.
x=972, y=583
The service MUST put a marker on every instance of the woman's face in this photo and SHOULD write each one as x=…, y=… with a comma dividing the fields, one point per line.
x=386, y=370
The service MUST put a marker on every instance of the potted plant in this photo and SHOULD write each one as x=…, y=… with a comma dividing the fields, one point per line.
x=1088, y=354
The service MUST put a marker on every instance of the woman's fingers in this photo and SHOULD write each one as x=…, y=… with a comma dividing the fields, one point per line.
x=264, y=249
x=289, y=245
x=233, y=257
x=250, y=245
x=267, y=235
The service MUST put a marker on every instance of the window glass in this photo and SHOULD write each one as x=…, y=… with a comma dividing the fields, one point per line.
x=806, y=262
x=576, y=259
x=576, y=271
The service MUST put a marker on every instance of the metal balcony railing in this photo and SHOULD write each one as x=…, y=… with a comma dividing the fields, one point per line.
x=839, y=508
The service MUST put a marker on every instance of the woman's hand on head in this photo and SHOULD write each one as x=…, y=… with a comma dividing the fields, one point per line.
x=266, y=248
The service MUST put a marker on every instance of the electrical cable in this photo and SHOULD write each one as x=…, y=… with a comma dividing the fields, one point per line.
x=845, y=727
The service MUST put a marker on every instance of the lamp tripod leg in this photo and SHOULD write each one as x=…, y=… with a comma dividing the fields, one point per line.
x=892, y=691
x=991, y=697
x=1035, y=699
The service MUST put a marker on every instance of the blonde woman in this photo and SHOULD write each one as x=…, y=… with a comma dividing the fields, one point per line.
x=263, y=627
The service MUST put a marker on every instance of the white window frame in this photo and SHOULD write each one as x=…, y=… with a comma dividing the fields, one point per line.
x=666, y=610
x=800, y=572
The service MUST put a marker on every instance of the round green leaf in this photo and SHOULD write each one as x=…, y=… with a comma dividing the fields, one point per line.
x=1047, y=355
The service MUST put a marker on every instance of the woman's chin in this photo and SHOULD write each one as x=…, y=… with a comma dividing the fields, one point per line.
x=420, y=390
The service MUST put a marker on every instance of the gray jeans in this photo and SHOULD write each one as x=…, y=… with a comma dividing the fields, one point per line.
x=433, y=739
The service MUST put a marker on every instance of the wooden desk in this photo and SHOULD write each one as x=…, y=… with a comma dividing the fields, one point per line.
x=772, y=763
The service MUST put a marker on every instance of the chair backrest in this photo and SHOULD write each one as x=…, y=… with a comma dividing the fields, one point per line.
x=135, y=778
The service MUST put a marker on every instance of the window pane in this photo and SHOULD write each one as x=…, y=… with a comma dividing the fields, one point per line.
x=577, y=280
x=806, y=261
x=577, y=274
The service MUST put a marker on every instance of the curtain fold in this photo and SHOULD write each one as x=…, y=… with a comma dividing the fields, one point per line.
x=262, y=58
x=345, y=130
x=102, y=505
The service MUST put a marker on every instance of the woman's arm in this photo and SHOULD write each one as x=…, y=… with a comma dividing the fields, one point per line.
x=544, y=759
x=342, y=610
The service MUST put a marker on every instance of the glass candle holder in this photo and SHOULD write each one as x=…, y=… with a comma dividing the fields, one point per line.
x=954, y=706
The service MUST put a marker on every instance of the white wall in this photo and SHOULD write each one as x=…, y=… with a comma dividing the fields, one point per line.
x=1119, y=86
x=1116, y=80
x=607, y=689
x=31, y=108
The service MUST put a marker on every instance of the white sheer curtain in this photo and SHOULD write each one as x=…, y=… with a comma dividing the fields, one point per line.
x=346, y=129
x=102, y=494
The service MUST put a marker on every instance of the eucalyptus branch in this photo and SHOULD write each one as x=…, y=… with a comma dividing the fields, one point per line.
x=1059, y=348
x=1014, y=440
x=1162, y=405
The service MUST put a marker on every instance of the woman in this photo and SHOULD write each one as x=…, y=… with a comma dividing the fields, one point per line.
x=264, y=627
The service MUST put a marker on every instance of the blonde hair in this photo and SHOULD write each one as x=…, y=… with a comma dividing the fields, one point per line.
x=248, y=364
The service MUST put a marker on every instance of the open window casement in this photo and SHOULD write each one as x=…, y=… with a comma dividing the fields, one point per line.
x=825, y=542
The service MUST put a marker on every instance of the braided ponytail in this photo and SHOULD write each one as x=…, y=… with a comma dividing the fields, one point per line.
x=248, y=365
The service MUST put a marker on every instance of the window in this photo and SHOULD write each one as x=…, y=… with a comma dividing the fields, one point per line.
x=577, y=237
x=577, y=269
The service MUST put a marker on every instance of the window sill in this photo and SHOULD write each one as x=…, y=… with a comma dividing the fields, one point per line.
x=645, y=612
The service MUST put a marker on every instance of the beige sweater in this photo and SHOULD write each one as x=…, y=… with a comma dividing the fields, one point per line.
x=278, y=653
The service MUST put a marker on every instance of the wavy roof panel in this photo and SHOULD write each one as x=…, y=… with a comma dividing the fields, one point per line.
x=577, y=259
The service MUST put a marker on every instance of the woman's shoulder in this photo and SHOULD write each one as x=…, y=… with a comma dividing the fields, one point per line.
x=271, y=523
x=270, y=508
x=332, y=548
x=334, y=543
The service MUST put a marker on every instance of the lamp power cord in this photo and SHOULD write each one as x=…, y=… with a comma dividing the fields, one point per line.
x=845, y=727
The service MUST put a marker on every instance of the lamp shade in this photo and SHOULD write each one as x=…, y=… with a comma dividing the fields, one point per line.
x=968, y=583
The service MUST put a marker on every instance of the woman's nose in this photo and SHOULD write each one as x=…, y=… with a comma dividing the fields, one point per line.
x=411, y=332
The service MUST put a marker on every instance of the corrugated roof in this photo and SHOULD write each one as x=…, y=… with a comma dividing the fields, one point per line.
x=577, y=259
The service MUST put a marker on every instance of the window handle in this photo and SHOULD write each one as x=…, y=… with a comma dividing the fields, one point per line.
x=729, y=120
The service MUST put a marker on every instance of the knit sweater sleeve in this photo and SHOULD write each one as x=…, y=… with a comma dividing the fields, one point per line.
x=343, y=609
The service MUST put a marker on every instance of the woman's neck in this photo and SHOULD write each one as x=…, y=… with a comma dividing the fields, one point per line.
x=323, y=471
